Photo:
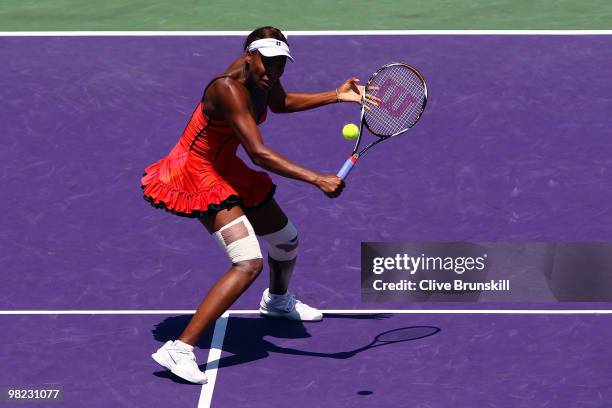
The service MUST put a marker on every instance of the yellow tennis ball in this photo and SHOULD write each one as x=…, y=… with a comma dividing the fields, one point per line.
x=350, y=131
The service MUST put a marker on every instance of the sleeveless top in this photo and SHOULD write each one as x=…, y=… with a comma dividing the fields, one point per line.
x=202, y=173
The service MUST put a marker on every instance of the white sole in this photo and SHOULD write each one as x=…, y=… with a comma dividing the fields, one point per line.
x=159, y=359
x=267, y=313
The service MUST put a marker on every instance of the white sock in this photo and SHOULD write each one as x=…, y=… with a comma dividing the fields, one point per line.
x=183, y=346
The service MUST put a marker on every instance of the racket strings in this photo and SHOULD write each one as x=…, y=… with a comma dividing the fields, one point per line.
x=403, y=94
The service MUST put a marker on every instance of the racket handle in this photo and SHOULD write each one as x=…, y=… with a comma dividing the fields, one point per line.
x=347, y=167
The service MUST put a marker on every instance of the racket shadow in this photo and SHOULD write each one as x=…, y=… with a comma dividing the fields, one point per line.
x=399, y=335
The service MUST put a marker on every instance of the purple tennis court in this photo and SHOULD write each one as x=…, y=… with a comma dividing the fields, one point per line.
x=458, y=360
x=513, y=147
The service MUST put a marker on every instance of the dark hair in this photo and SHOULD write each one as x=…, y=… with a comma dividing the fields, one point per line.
x=265, y=32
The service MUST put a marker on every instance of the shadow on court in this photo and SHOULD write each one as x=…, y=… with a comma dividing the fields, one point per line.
x=245, y=338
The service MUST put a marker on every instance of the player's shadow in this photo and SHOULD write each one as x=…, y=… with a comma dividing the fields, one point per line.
x=245, y=339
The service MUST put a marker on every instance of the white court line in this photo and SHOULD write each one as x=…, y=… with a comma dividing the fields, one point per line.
x=296, y=33
x=216, y=347
x=451, y=311
x=348, y=311
x=94, y=312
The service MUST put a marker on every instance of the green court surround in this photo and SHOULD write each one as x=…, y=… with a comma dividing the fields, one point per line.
x=244, y=15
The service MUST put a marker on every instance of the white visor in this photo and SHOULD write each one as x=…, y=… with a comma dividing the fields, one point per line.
x=270, y=47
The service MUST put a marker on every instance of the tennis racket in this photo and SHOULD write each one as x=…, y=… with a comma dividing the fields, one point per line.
x=403, y=93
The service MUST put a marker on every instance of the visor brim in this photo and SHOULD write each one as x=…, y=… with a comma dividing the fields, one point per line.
x=274, y=52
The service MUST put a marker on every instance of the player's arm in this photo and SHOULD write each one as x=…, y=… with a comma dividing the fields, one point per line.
x=281, y=101
x=231, y=98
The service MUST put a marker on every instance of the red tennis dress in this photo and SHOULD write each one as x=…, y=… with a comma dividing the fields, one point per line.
x=202, y=173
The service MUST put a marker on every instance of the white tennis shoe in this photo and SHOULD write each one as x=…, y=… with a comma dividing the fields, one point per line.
x=178, y=357
x=287, y=306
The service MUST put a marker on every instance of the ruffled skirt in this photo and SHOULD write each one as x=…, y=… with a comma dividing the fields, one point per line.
x=189, y=186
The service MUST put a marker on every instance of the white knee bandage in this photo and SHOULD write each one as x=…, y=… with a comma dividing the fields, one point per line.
x=238, y=239
x=283, y=243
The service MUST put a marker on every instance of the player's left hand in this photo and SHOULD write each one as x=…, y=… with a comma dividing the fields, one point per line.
x=351, y=91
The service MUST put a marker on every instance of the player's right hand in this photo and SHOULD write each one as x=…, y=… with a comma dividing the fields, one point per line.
x=330, y=184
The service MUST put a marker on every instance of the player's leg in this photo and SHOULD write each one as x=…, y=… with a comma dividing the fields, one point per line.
x=235, y=234
x=271, y=223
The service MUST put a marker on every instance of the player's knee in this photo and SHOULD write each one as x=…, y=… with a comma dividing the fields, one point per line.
x=238, y=240
x=283, y=244
x=251, y=267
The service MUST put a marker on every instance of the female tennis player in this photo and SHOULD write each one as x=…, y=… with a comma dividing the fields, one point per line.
x=203, y=178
